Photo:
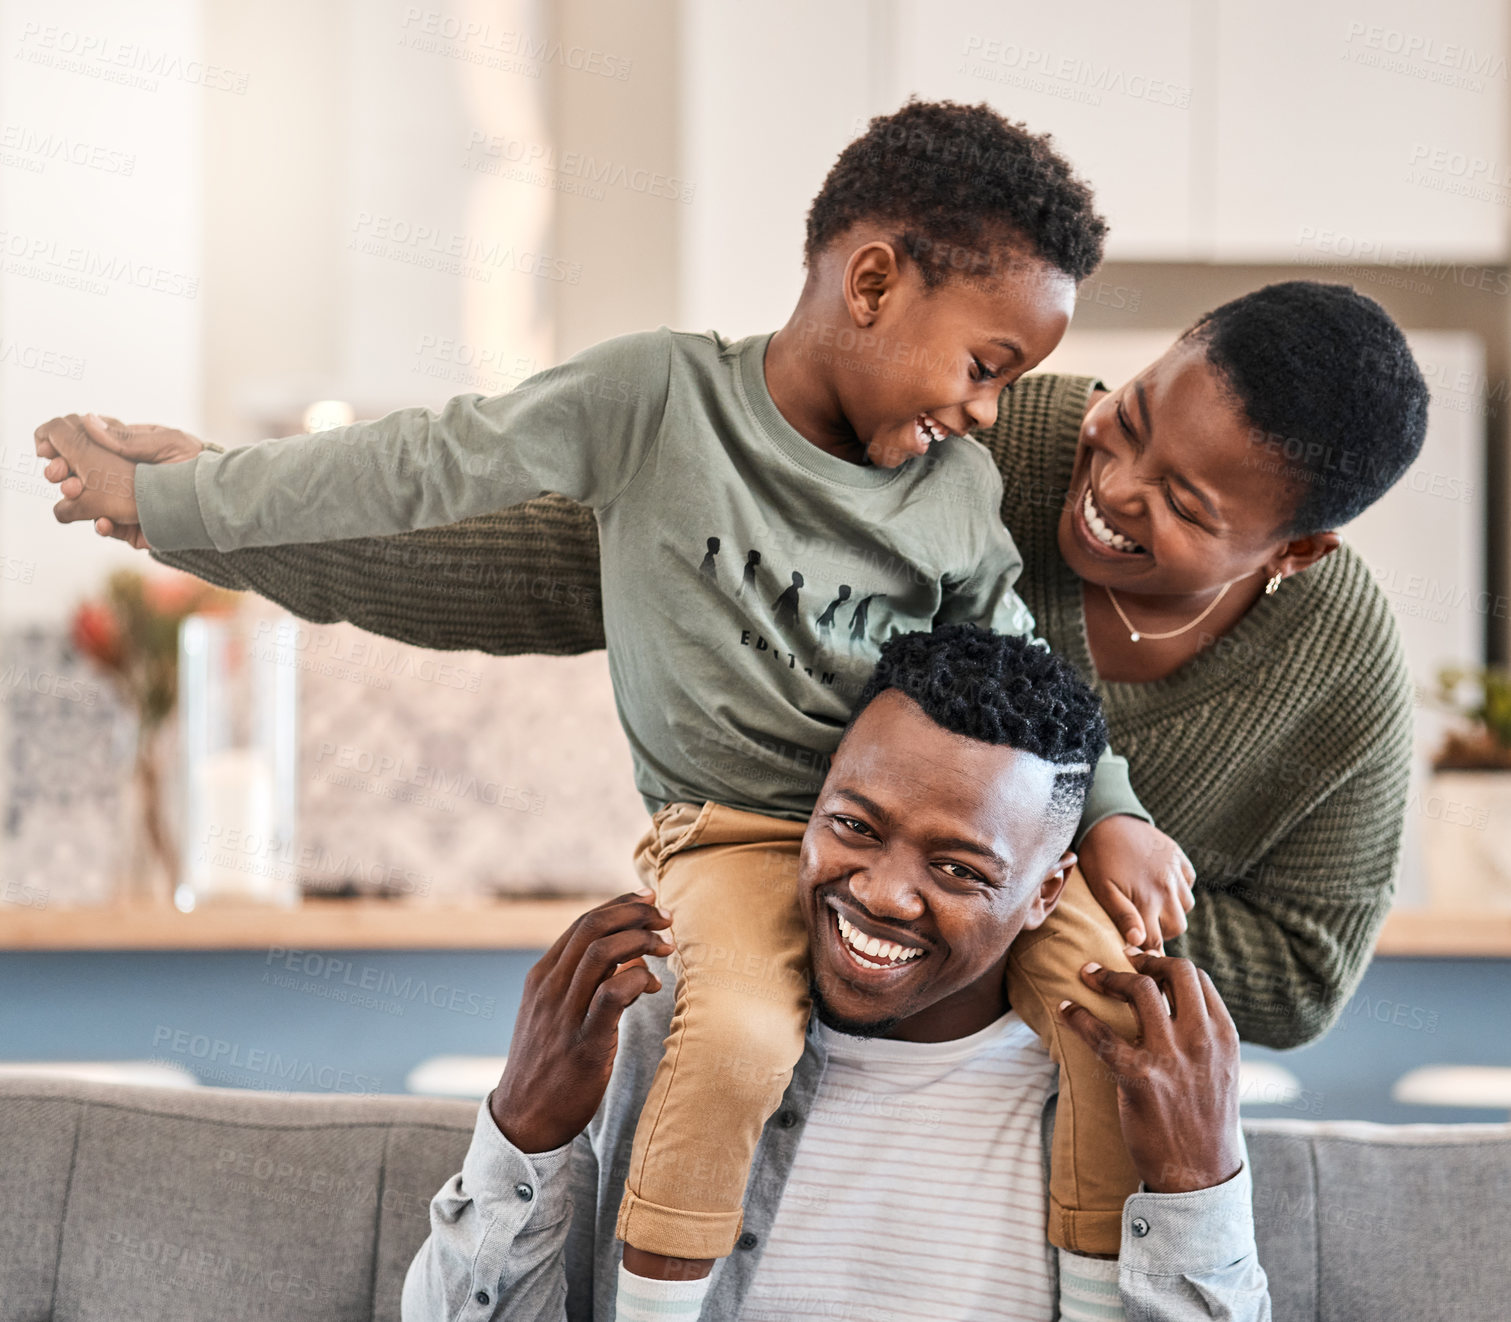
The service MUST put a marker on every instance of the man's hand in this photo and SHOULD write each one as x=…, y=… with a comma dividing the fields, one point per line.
x=93, y=461
x=1178, y=1088
x=1141, y=877
x=567, y=1029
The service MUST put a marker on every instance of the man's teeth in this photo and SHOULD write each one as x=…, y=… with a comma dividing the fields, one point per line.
x=1103, y=533
x=862, y=945
x=927, y=429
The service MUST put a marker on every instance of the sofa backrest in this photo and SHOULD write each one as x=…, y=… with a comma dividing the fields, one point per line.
x=1368, y=1222
x=198, y=1205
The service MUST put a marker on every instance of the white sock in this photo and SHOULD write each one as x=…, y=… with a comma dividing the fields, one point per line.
x=1088, y=1288
x=641, y=1299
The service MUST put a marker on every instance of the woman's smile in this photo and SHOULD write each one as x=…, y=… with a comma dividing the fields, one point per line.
x=1100, y=536
x=1103, y=529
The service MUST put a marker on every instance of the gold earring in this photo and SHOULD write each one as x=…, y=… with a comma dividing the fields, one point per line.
x=1273, y=585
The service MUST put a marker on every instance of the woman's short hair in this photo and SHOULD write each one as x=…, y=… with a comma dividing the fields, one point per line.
x=1328, y=385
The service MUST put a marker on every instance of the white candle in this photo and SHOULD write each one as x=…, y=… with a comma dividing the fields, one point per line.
x=237, y=855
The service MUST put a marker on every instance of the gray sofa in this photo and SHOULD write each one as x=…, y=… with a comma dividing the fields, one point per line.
x=157, y=1205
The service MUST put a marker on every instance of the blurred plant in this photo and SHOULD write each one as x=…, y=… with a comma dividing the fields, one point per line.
x=131, y=633
x=1481, y=697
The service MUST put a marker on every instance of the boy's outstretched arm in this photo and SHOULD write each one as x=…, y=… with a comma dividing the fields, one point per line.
x=582, y=429
x=523, y=580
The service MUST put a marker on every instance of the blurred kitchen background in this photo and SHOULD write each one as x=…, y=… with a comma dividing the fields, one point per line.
x=221, y=217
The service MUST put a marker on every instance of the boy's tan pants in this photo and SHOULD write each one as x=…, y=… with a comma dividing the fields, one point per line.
x=729, y=879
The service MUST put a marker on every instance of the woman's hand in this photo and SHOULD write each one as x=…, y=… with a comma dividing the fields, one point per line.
x=141, y=443
x=567, y=1030
x=1141, y=877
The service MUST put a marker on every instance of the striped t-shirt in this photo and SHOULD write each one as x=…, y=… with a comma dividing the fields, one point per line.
x=918, y=1189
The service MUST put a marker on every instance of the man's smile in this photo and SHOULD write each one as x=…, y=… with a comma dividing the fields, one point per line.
x=863, y=954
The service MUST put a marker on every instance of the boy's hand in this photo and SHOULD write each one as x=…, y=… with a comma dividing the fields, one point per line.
x=95, y=480
x=145, y=442
x=1140, y=876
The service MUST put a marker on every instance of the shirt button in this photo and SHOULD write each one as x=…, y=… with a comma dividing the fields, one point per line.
x=1139, y=1226
x=747, y=1241
x=525, y=1192
x=787, y=1119
x=482, y=1297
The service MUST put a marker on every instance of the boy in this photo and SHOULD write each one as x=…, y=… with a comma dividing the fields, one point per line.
x=770, y=511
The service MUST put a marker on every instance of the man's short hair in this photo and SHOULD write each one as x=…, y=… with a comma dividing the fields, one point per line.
x=1000, y=689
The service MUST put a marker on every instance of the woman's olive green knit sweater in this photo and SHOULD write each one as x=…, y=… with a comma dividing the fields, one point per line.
x=1278, y=758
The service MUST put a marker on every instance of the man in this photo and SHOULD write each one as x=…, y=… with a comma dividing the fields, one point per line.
x=904, y=1173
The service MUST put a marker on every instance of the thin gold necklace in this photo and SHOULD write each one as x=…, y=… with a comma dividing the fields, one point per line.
x=1135, y=635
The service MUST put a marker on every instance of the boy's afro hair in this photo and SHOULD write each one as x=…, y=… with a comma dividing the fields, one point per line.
x=960, y=183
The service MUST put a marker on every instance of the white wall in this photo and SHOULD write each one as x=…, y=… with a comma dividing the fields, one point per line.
x=382, y=254
x=771, y=94
x=101, y=288
x=297, y=206
x=1211, y=129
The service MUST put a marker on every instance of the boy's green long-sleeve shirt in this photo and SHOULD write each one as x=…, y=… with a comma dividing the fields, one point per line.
x=749, y=578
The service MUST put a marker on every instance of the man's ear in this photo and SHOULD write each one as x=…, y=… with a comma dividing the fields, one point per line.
x=1050, y=890
x=1302, y=554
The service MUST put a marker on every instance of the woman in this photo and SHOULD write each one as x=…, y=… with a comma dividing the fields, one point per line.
x=1179, y=547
